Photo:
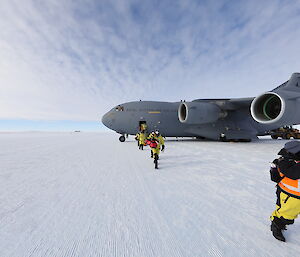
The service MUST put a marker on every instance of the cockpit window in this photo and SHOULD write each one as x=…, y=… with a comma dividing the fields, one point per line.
x=119, y=108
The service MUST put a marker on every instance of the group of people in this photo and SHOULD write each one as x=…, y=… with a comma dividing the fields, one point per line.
x=154, y=140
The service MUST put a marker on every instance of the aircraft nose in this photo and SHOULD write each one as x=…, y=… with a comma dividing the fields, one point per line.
x=107, y=120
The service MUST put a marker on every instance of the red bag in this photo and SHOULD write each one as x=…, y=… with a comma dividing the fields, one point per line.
x=153, y=144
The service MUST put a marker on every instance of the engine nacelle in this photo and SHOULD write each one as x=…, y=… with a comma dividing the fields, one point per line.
x=270, y=108
x=198, y=112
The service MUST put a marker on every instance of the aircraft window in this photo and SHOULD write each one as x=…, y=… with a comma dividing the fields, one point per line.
x=119, y=108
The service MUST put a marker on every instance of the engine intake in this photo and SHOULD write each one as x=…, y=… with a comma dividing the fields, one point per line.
x=268, y=108
x=198, y=112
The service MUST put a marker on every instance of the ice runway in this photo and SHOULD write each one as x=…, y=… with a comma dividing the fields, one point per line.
x=87, y=194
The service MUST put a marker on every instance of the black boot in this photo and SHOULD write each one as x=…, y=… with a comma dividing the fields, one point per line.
x=156, y=164
x=151, y=154
x=276, y=227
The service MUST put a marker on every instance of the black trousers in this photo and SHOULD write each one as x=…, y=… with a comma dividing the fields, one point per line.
x=156, y=160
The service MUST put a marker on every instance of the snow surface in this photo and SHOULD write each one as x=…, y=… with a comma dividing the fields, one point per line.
x=87, y=194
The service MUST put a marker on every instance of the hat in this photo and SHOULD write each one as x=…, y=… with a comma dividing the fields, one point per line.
x=292, y=147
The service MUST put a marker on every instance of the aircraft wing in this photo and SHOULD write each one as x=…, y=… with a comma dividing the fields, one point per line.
x=229, y=104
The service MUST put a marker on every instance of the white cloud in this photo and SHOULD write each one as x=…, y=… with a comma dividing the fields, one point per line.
x=75, y=60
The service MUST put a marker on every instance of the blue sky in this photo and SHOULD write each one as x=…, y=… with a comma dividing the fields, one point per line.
x=71, y=61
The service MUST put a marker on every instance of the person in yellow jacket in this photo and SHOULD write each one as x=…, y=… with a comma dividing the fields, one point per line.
x=142, y=139
x=154, y=145
x=160, y=140
x=285, y=171
x=161, y=143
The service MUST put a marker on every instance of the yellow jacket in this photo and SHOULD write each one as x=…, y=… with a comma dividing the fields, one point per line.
x=137, y=136
x=160, y=140
x=142, y=138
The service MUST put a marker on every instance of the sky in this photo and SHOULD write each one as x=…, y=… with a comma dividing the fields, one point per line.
x=69, y=62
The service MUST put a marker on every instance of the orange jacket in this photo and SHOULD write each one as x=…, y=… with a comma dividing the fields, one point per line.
x=290, y=186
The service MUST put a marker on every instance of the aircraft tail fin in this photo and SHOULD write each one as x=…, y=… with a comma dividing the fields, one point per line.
x=293, y=84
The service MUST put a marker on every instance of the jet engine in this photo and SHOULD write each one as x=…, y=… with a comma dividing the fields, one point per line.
x=198, y=112
x=270, y=108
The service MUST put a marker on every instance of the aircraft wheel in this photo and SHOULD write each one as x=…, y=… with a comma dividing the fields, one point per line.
x=224, y=139
x=122, y=139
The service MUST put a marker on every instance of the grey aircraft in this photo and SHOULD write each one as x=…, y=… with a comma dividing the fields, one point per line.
x=239, y=119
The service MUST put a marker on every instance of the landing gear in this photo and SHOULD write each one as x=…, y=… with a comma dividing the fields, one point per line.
x=122, y=138
x=245, y=140
x=223, y=138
